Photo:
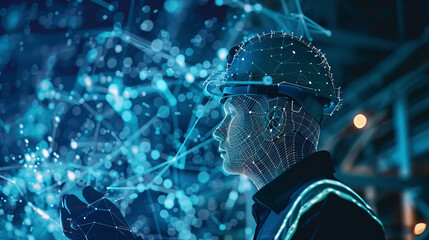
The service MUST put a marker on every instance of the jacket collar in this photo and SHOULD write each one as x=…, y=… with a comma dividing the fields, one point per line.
x=276, y=193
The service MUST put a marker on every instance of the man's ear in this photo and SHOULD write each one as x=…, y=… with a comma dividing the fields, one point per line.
x=275, y=120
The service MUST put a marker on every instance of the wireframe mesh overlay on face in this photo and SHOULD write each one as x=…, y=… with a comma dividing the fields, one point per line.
x=264, y=136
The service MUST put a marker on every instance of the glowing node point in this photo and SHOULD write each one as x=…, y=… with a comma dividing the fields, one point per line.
x=71, y=175
x=73, y=144
x=45, y=153
x=257, y=7
x=219, y=2
x=189, y=77
x=247, y=8
x=222, y=53
x=161, y=84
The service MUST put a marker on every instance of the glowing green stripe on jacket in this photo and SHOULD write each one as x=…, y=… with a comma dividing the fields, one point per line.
x=328, y=186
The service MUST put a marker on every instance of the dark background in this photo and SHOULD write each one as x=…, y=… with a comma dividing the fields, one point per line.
x=378, y=51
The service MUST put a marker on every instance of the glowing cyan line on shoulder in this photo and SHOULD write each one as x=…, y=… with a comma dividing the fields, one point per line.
x=319, y=197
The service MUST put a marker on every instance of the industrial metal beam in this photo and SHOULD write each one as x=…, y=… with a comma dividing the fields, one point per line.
x=401, y=133
x=379, y=101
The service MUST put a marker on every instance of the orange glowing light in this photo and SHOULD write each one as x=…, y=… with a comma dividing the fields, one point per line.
x=359, y=121
x=419, y=228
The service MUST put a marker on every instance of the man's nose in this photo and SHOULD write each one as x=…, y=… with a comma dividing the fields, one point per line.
x=218, y=135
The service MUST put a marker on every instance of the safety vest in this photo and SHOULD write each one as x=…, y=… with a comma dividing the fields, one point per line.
x=313, y=194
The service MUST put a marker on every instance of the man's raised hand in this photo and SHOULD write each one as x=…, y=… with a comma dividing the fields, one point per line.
x=99, y=219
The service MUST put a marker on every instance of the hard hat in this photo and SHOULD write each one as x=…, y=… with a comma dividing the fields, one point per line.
x=278, y=64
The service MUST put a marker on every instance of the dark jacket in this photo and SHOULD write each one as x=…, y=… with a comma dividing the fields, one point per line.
x=332, y=218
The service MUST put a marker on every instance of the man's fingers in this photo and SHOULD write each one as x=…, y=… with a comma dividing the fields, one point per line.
x=73, y=203
x=65, y=215
x=91, y=195
x=63, y=204
x=66, y=224
x=62, y=201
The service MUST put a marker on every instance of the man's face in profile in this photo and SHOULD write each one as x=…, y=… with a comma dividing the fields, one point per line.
x=240, y=134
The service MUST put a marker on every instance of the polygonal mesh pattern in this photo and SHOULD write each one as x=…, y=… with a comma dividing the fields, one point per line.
x=261, y=137
x=278, y=59
x=288, y=60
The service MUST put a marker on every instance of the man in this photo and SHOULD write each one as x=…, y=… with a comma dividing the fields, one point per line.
x=275, y=92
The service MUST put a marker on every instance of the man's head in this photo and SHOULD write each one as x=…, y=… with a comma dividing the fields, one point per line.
x=275, y=91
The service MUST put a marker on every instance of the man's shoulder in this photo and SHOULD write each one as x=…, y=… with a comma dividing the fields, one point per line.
x=338, y=218
x=328, y=209
x=343, y=208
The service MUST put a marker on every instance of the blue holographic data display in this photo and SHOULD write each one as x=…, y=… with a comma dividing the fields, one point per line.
x=109, y=94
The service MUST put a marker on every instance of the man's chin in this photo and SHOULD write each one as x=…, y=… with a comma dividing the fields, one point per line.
x=233, y=168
